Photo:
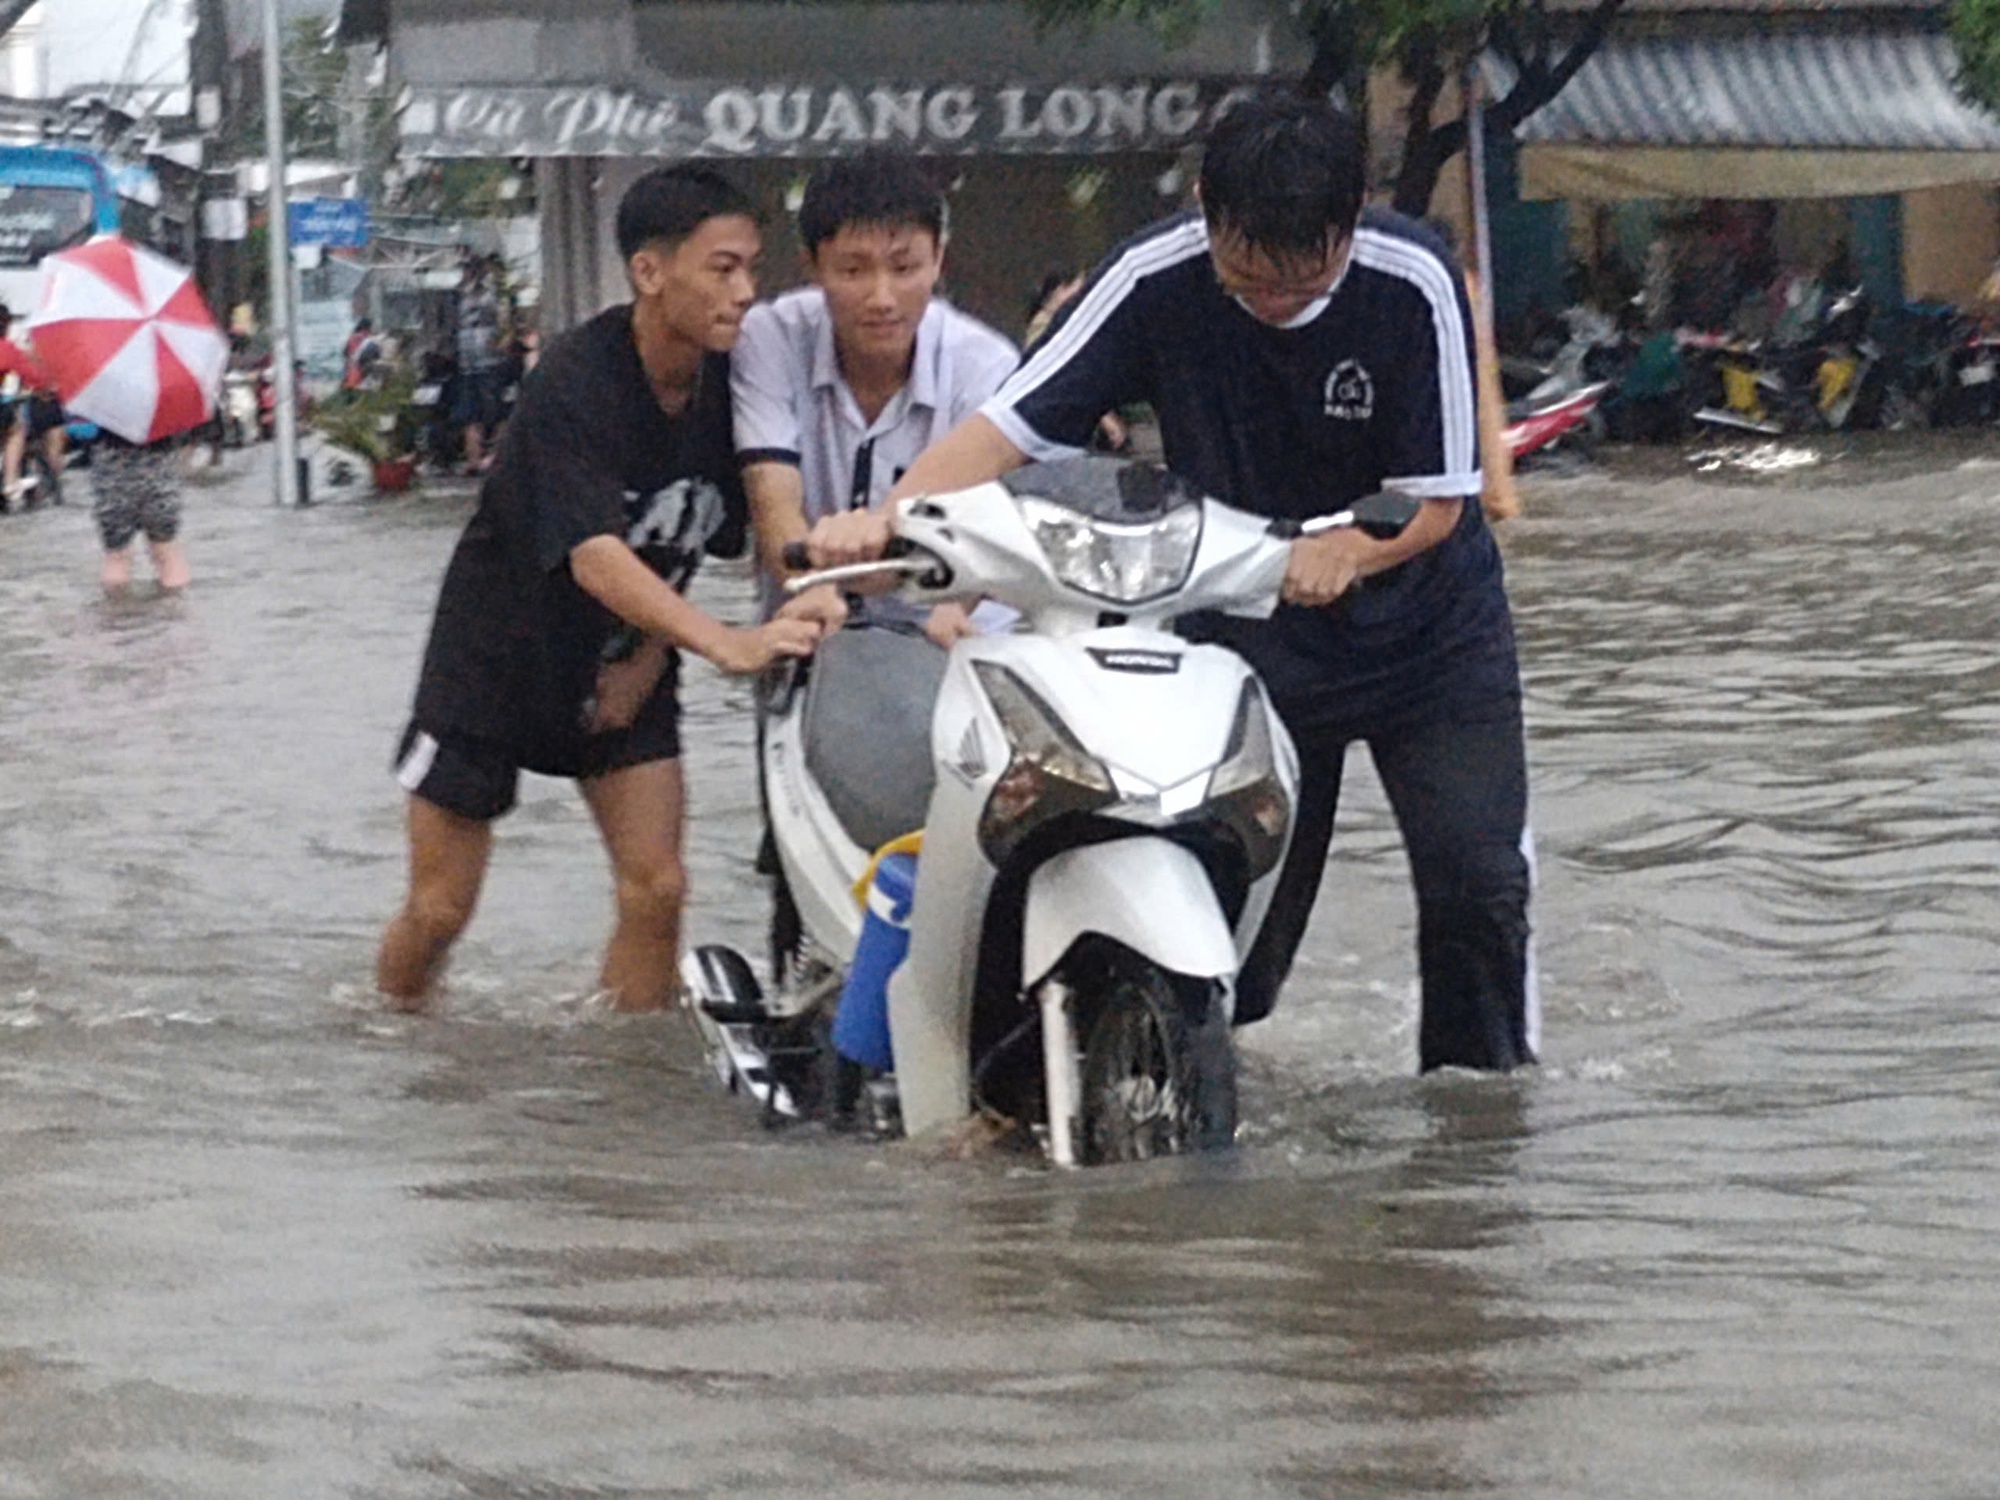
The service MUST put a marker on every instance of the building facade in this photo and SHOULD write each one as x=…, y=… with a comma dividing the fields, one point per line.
x=1050, y=145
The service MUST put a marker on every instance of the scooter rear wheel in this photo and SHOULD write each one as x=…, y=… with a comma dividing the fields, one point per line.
x=1157, y=1080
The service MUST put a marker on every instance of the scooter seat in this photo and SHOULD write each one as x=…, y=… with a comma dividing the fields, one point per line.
x=868, y=730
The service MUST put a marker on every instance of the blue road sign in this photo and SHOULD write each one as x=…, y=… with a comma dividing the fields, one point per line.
x=339, y=222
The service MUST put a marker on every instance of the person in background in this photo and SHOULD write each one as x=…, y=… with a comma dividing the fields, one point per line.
x=557, y=638
x=32, y=412
x=137, y=489
x=1113, y=435
x=838, y=386
x=362, y=354
x=482, y=363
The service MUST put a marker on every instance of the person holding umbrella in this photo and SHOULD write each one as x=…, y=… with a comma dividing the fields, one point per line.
x=137, y=489
x=130, y=345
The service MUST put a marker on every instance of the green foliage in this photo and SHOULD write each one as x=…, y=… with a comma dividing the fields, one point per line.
x=1175, y=20
x=379, y=423
x=1430, y=42
x=1975, y=31
x=314, y=74
x=330, y=112
x=1371, y=32
x=472, y=188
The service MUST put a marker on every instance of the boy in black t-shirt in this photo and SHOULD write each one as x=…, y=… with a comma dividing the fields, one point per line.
x=1301, y=354
x=555, y=645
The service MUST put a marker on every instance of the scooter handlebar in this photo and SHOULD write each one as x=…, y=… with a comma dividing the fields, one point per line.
x=798, y=557
x=1380, y=515
x=900, y=556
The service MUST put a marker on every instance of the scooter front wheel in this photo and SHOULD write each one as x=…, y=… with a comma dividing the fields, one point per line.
x=1159, y=1071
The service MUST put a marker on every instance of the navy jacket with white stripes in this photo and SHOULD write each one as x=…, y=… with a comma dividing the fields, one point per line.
x=1374, y=392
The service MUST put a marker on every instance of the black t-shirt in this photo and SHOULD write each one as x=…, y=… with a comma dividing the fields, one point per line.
x=1373, y=391
x=516, y=645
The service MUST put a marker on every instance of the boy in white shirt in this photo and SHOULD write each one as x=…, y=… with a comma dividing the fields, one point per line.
x=838, y=386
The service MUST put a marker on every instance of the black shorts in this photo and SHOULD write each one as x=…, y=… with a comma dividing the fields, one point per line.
x=477, y=778
x=481, y=398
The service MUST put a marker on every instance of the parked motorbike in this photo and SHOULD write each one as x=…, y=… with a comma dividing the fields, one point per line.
x=1569, y=420
x=1589, y=354
x=1831, y=381
x=1947, y=367
x=1104, y=809
x=1556, y=403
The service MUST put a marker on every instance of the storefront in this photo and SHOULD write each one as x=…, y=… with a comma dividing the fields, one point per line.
x=1851, y=131
x=1051, y=146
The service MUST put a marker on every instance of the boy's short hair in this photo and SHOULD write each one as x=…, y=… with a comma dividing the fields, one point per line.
x=670, y=203
x=1284, y=172
x=875, y=189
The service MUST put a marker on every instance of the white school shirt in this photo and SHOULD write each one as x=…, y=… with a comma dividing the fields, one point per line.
x=792, y=405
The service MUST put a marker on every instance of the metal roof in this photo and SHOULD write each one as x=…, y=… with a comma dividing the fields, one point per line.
x=1879, y=90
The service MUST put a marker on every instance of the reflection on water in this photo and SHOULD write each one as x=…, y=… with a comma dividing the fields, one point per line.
x=263, y=1239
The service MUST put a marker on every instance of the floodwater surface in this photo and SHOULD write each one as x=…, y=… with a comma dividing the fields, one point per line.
x=259, y=1238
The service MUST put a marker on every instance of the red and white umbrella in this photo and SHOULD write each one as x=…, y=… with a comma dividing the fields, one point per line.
x=127, y=339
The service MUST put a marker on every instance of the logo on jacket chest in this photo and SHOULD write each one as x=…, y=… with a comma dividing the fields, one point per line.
x=1350, y=392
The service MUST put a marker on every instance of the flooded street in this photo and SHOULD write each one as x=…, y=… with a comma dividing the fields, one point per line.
x=1735, y=1238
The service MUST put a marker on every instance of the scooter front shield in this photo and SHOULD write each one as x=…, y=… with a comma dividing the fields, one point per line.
x=1146, y=893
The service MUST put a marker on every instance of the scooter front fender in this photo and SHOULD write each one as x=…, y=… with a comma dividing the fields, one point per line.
x=1146, y=893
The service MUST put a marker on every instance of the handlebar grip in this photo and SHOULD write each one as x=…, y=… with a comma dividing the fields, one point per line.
x=799, y=560
x=1381, y=515
x=1385, y=514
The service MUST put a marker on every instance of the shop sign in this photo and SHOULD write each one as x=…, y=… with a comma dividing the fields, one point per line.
x=742, y=120
x=339, y=222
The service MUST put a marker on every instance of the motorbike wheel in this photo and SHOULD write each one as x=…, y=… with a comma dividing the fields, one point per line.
x=1900, y=411
x=1153, y=1083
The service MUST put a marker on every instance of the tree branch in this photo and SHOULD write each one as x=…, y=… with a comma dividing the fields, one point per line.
x=1423, y=151
x=1333, y=58
x=1523, y=100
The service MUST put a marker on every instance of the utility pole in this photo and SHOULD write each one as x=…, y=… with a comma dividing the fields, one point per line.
x=1498, y=494
x=284, y=339
x=1475, y=192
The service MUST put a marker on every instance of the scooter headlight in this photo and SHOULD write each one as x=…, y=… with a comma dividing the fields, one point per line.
x=1048, y=773
x=1120, y=562
x=1246, y=792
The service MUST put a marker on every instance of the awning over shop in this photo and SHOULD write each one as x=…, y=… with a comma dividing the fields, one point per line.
x=1758, y=116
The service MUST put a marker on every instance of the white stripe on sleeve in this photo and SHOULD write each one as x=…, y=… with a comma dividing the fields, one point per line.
x=1412, y=263
x=1168, y=248
x=1022, y=434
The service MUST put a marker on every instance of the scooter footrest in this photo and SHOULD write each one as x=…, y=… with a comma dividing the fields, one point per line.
x=752, y=1014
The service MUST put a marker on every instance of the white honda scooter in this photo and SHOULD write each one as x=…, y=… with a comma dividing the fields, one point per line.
x=1104, y=809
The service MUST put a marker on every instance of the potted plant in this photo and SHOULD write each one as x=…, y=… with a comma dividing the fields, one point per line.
x=378, y=424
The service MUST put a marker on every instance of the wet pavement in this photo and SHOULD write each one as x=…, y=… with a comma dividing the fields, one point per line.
x=258, y=1238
